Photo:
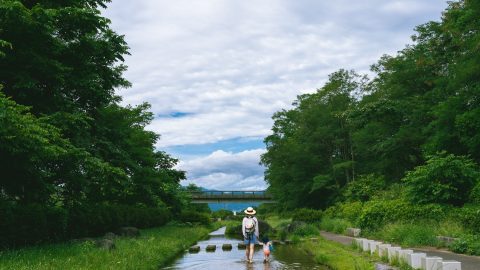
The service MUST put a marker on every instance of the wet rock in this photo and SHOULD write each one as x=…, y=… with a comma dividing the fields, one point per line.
x=194, y=249
x=110, y=235
x=129, y=232
x=227, y=247
x=242, y=246
x=288, y=242
x=106, y=244
x=211, y=248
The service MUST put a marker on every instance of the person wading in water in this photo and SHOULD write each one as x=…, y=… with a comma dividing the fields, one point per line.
x=250, y=232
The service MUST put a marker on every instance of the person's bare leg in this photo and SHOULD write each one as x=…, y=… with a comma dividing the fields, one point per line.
x=247, y=249
x=251, y=247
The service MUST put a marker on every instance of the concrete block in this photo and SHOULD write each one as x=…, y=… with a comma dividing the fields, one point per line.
x=373, y=246
x=449, y=265
x=415, y=259
x=430, y=263
x=241, y=246
x=194, y=249
x=402, y=254
x=353, y=232
x=392, y=252
x=227, y=247
x=358, y=241
x=365, y=244
x=211, y=248
x=382, y=249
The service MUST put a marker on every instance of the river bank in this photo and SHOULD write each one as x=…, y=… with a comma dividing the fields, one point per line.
x=152, y=249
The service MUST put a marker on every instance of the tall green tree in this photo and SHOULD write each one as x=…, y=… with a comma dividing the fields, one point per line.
x=61, y=63
x=310, y=155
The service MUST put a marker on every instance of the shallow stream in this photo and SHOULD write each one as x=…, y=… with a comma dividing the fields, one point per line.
x=283, y=257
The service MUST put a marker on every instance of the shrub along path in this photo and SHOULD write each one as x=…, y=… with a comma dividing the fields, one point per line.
x=468, y=262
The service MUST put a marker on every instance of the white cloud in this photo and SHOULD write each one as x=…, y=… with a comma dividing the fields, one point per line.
x=232, y=64
x=226, y=171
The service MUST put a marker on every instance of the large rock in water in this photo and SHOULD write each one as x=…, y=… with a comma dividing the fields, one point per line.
x=106, y=244
x=129, y=231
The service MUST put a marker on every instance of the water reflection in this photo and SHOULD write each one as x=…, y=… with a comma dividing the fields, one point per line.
x=283, y=258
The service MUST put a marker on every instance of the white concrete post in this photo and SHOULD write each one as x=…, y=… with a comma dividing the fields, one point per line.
x=415, y=259
x=402, y=254
x=382, y=249
x=365, y=244
x=392, y=252
x=359, y=241
x=449, y=265
x=374, y=246
x=430, y=263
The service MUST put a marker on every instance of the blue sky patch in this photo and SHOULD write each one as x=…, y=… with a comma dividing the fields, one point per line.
x=234, y=145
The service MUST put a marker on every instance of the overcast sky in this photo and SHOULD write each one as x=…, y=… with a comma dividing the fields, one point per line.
x=216, y=70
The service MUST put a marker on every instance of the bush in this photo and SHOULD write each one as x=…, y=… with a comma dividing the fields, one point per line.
x=336, y=225
x=33, y=224
x=348, y=210
x=364, y=187
x=467, y=244
x=194, y=217
x=409, y=234
x=307, y=215
x=469, y=216
x=445, y=178
x=376, y=214
x=306, y=230
x=475, y=194
x=222, y=213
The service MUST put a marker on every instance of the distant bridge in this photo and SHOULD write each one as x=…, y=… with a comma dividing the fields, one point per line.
x=230, y=196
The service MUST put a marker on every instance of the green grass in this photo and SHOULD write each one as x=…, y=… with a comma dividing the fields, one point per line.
x=156, y=247
x=336, y=256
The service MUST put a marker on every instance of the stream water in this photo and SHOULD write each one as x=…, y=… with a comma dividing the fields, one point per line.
x=283, y=257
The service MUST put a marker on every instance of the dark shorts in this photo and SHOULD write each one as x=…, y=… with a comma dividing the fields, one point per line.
x=250, y=240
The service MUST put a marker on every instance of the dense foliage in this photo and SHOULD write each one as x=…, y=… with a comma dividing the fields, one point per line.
x=415, y=124
x=66, y=143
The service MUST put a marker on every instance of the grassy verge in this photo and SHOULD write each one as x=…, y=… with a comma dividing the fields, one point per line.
x=336, y=256
x=155, y=247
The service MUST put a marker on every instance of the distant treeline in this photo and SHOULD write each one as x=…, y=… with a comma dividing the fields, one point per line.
x=71, y=157
x=411, y=132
